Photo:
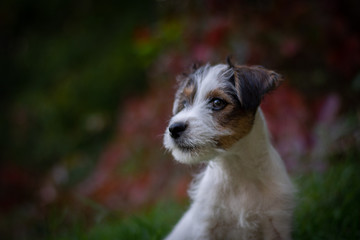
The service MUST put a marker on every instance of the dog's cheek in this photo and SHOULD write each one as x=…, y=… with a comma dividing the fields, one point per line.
x=239, y=126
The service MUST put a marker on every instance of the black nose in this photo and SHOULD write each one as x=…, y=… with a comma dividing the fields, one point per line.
x=176, y=129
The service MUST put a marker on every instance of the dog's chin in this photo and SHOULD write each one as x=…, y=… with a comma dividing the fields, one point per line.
x=190, y=154
x=193, y=156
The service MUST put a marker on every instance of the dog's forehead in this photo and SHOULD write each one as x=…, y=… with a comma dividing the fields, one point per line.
x=207, y=79
x=196, y=87
x=213, y=79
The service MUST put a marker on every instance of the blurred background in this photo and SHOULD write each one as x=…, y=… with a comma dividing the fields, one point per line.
x=87, y=88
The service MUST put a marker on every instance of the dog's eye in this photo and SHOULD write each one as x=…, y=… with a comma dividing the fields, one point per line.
x=217, y=104
x=185, y=103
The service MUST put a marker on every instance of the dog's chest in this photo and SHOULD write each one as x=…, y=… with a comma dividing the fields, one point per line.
x=233, y=225
x=230, y=213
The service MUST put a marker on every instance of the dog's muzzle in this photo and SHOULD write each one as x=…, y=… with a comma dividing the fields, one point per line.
x=177, y=129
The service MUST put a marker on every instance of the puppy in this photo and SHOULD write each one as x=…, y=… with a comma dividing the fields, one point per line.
x=244, y=191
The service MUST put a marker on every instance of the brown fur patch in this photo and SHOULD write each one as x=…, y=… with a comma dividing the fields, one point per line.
x=219, y=93
x=232, y=117
x=186, y=93
x=189, y=91
x=252, y=83
x=240, y=125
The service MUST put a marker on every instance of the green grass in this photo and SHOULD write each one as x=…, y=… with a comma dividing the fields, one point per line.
x=154, y=224
x=329, y=204
x=150, y=224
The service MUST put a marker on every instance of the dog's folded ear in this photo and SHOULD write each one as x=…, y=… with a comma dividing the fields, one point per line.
x=252, y=83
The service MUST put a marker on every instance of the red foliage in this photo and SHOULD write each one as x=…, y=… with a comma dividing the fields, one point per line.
x=288, y=121
x=293, y=123
x=133, y=169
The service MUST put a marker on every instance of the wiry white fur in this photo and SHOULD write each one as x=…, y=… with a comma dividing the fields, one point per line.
x=244, y=192
x=203, y=128
x=213, y=78
x=203, y=131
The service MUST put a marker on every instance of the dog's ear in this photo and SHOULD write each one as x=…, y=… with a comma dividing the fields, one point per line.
x=229, y=61
x=183, y=77
x=195, y=66
x=252, y=83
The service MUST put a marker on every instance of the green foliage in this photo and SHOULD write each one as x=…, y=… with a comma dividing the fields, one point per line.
x=329, y=205
x=154, y=223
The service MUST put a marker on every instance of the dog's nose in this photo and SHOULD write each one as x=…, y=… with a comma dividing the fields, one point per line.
x=176, y=129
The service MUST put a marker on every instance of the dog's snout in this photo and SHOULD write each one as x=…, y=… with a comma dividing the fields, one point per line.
x=176, y=129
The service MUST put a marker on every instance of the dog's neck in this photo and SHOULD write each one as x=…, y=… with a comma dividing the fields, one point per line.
x=257, y=143
x=249, y=158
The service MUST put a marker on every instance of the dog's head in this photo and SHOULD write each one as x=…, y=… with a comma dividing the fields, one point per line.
x=214, y=107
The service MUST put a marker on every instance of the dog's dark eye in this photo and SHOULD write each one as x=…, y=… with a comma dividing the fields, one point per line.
x=185, y=103
x=217, y=104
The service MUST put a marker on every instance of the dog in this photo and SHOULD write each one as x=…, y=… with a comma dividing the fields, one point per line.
x=244, y=191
